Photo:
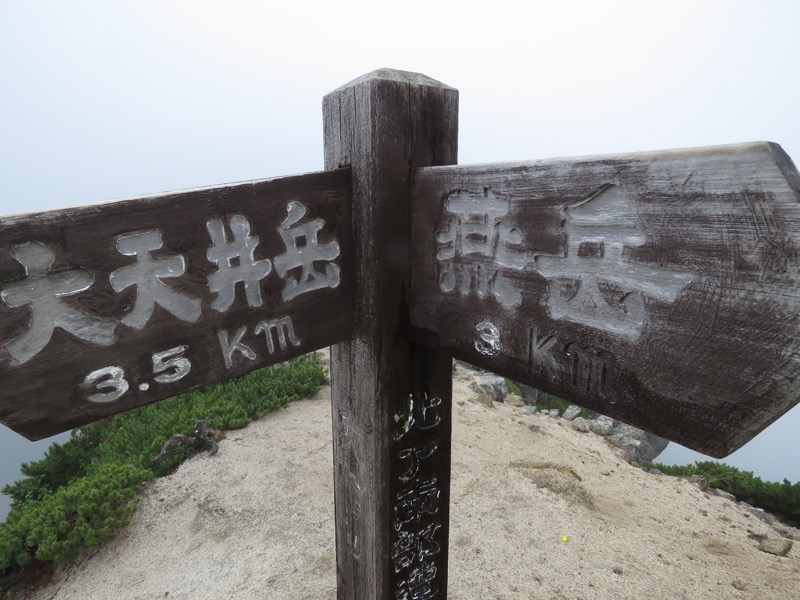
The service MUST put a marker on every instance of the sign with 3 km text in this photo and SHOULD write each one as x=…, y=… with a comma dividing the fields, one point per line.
x=658, y=288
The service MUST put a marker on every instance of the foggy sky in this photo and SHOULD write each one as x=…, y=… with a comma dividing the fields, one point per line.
x=104, y=100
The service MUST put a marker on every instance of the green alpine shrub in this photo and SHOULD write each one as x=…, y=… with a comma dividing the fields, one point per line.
x=85, y=490
x=781, y=499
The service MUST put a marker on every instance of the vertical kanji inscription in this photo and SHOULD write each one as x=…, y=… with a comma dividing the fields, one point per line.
x=415, y=510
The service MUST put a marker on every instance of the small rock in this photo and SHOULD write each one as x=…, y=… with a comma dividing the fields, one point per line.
x=491, y=385
x=655, y=471
x=515, y=400
x=554, y=413
x=740, y=585
x=640, y=446
x=617, y=570
x=572, y=412
x=700, y=481
x=775, y=545
x=602, y=425
x=485, y=399
x=580, y=424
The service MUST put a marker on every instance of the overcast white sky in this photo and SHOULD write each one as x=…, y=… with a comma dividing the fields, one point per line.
x=107, y=99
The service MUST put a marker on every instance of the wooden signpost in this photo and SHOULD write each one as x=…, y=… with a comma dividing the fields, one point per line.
x=662, y=289
x=391, y=398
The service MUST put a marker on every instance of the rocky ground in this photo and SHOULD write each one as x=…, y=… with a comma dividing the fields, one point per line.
x=539, y=509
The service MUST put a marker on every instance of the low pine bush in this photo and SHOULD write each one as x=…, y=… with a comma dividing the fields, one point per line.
x=85, y=490
x=782, y=499
x=85, y=513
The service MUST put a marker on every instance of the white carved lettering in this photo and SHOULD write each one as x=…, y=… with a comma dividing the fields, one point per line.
x=235, y=263
x=489, y=338
x=539, y=352
x=171, y=360
x=418, y=414
x=609, y=286
x=477, y=231
x=107, y=378
x=228, y=346
x=109, y=383
x=283, y=329
x=416, y=455
x=302, y=251
x=45, y=292
x=147, y=274
x=42, y=291
x=416, y=520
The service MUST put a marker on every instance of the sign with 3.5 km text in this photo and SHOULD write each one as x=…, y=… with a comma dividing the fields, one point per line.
x=661, y=289
x=108, y=307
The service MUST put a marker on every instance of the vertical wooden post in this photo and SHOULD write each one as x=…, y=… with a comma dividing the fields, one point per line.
x=391, y=398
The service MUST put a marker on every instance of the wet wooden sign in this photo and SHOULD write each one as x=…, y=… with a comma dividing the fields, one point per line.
x=104, y=308
x=662, y=289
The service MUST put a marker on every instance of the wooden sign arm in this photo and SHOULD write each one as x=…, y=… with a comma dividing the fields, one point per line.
x=658, y=288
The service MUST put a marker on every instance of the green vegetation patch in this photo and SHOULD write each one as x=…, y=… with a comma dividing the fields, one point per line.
x=83, y=492
x=781, y=499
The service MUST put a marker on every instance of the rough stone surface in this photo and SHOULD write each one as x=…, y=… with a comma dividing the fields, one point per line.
x=572, y=412
x=580, y=424
x=491, y=385
x=514, y=400
x=775, y=545
x=602, y=425
x=484, y=399
x=639, y=445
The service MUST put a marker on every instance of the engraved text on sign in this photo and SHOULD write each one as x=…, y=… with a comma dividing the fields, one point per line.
x=120, y=305
x=480, y=247
x=655, y=288
x=415, y=509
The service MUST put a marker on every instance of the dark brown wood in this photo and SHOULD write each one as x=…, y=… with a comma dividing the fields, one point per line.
x=105, y=308
x=391, y=399
x=662, y=289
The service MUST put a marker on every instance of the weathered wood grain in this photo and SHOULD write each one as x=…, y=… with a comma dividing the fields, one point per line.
x=661, y=289
x=391, y=399
x=108, y=307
